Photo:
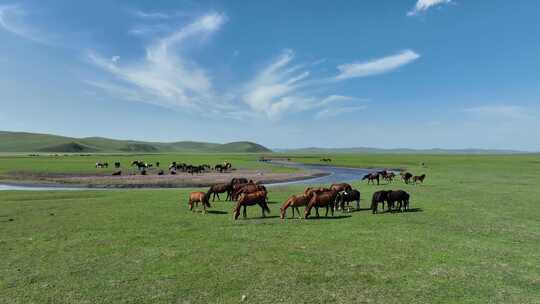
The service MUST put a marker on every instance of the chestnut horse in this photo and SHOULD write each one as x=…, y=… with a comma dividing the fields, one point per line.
x=341, y=187
x=419, y=178
x=326, y=199
x=215, y=190
x=251, y=199
x=294, y=201
x=312, y=190
x=198, y=197
x=249, y=188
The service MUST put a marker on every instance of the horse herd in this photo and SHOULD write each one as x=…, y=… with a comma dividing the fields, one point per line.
x=173, y=168
x=389, y=176
x=336, y=197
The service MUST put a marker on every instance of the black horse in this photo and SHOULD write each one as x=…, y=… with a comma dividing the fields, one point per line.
x=346, y=197
x=372, y=177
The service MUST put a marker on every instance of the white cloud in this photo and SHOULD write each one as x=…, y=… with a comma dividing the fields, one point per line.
x=12, y=20
x=377, y=66
x=165, y=73
x=424, y=5
x=499, y=111
x=338, y=110
x=150, y=15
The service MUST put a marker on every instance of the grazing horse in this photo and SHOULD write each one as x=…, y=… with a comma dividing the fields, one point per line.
x=117, y=165
x=419, y=178
x=399, y=196
x=371, y=177
x=215, y=190
x=326, y=199
x=140, y=164
x=388, y=176
x=406, y=177
x=249, y=188
x=294, y=201
x=250, y=199
x=238, y=180
x=341, y=187
x=348, y=196
x=198, y=197
x=222, y=167
x=378, y=197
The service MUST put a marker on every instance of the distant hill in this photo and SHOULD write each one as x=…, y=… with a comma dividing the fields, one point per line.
x=33, y=142
x=314, y=150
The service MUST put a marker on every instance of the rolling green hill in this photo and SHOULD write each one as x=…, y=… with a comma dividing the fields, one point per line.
x=33, y=142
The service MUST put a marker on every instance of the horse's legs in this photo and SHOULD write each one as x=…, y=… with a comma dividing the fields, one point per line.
x=244, y=213
x=292, y=212
x=218, y=196
x=317, y=211
x=326, y=214
x=297, y=211
x=237, y=211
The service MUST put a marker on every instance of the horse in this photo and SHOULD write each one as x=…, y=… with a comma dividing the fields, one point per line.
x=399, y=196
x=378, y=197
x=311, y=190
x=117, y=173
x=238, y=180
x=294, y=201
x=222, y=167
x=250, y=199
x=419, y=178
x=249, y=188
x=117, y=165
x=348, y=196
x=341, y=187
x=371, y=177
x=157, y=164
x=198, y=197
x=219, y=188
x=326, y=199
x=388, y=176
x=406, y=177
x=161, y=172
x=102, y=165
x=140, y=164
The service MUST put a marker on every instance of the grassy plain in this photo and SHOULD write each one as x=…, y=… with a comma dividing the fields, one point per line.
x=474, y=238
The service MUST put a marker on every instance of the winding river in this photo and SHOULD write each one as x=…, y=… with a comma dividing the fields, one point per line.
x=332, y=175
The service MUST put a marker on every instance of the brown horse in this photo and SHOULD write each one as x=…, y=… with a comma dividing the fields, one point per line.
x=249, y=188
x=326, y=199
x=312, y=190
x=294, y=201
x=406, y=177
x=215, y=190
x=371, y=177
x=388, y=176
x=400, y=197
x=419, y=178
x=379, y=197
x=251, y=199
x=198, y=197
x=341, y=187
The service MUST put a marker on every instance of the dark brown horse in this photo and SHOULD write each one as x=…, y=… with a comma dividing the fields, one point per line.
x=406, y=177
x=419, y=178
x=248, y=188
x=400, y=197
x=346, y=197
x=312, y=190
x=341, y=187
x=215, y=190
x=371, y=177
x=378, y=197
x=198, y=197
x=294, y=201
x=250, y=199
x=326, y=199
x=388, y=176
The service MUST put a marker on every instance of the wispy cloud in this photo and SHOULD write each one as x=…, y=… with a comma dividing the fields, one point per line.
x=165, y=73
x=150, y=15
x=377, y=66
x=499, y=111
x=338, y=110
x=12, y=19
x=424, y=5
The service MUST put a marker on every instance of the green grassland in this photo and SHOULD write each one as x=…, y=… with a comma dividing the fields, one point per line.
x=474, y=238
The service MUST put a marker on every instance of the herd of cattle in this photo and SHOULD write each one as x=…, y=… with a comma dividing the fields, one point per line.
x=173, y=168
x=336, y=197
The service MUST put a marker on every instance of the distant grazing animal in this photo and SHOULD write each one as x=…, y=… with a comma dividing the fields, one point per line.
x=140, y=164
x=345, y=197
x=143, y=172
x=157, y=164
x=294, y=201
x=398, y=196
x=341, y=187
x=116, y=173
x=215, y=190
x=250, y=199
x=219, y=167
x=419, y=178
x=198, y=197
x=117, y=165
x=326, y=199
x=378, y=197
x=406, y=177
x=326, y=160
x=388, y=176
x=161, y=172
x=371, y=177
x=102, y=165
x=173, y=172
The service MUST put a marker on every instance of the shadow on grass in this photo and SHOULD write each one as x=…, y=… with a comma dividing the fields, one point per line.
x=217, y=212
x=323, y=218
x=258, y=218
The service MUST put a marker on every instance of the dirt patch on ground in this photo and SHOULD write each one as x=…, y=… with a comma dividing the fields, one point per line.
x=152, y=180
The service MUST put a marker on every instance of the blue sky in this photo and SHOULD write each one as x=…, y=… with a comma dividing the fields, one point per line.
x=286, y=74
